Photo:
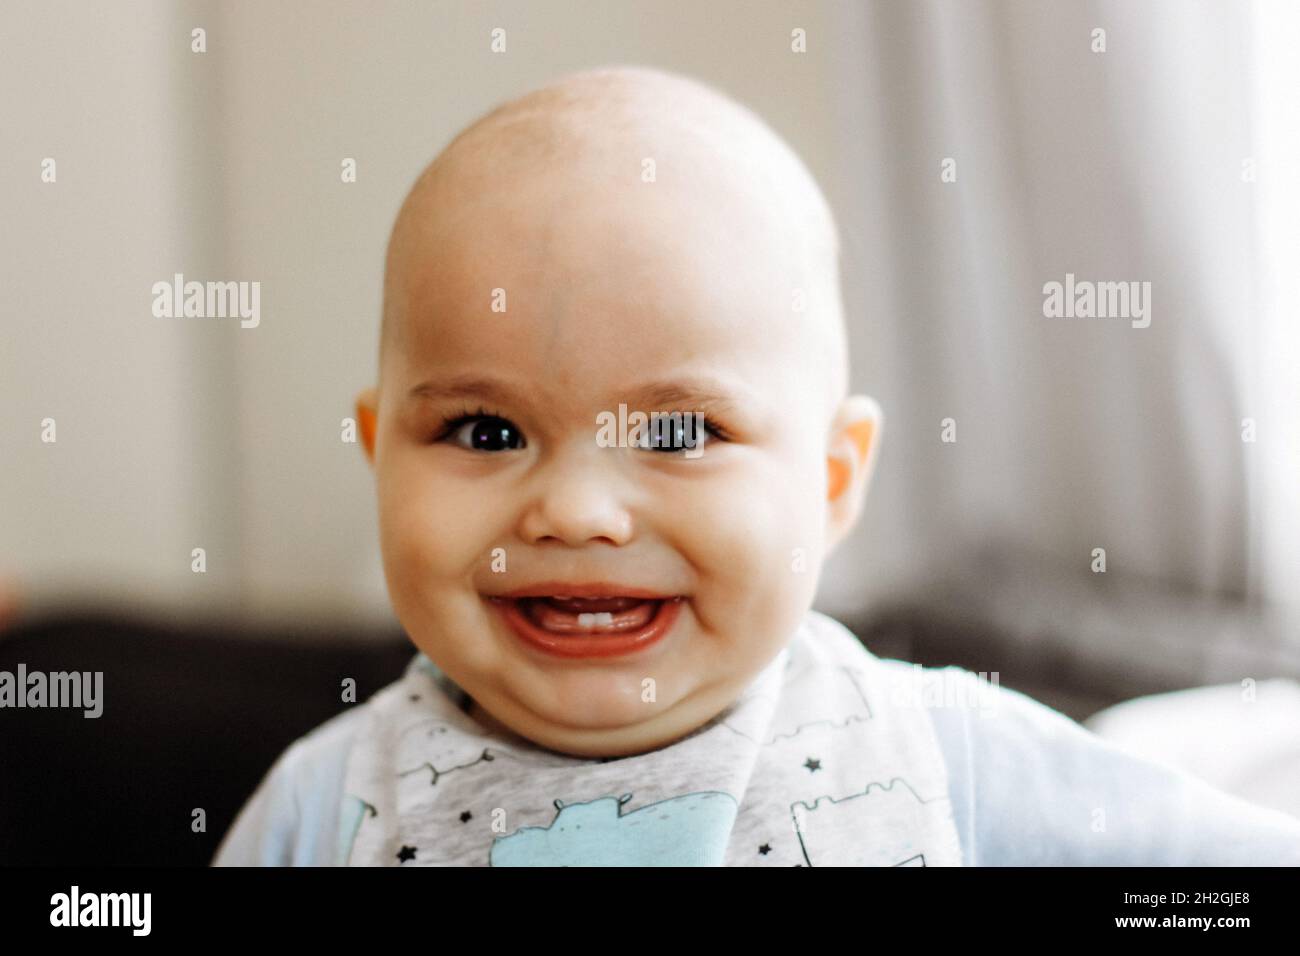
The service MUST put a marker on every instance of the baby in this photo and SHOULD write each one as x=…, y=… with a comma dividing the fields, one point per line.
x=618, y=663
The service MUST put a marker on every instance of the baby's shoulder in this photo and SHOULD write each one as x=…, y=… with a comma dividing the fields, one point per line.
x=1032, y=786
x=974, y=702
x=292, y=817
x=318, y=753
x=829, y=643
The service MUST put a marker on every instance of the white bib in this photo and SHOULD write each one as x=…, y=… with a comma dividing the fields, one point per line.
x=827, y=759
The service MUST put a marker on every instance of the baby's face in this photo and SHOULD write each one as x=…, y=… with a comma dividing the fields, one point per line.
x=496, y=496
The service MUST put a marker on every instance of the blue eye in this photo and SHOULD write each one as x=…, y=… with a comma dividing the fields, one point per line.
x=485, y=433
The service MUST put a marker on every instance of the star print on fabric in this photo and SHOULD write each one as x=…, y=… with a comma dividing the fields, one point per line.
x=765, y=849
x=813, y=765
x=406, y=853
x=466, y=817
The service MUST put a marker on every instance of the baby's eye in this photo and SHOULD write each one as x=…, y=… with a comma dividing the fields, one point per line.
x=485, y=433
x=674, y=433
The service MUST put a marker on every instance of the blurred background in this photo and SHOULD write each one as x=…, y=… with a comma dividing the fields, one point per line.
x=1165, y=149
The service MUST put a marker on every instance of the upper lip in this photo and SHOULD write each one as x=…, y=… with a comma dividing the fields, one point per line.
x=586, y=589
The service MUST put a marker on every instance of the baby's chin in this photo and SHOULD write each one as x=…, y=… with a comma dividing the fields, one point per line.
x=600, y=723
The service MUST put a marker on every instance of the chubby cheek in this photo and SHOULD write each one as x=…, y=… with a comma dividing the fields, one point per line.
x=755, y=539
x=434, y=532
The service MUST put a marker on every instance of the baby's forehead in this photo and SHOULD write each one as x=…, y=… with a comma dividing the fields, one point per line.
x=640, y=128
x=659, y=210
x=691, y=270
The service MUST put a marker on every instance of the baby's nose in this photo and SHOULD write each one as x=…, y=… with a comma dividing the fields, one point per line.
x=577, y=502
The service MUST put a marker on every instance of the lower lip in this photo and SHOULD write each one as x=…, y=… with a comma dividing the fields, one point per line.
x=613, y=644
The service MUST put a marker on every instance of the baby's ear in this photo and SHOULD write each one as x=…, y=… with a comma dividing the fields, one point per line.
x=367, y=419
x=850, y=460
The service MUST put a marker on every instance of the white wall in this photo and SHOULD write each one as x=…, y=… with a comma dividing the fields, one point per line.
x=145, y=454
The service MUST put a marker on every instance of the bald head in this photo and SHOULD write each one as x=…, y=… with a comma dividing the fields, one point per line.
x=613, y=122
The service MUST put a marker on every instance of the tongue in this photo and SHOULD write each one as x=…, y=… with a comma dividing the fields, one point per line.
x=562, y=617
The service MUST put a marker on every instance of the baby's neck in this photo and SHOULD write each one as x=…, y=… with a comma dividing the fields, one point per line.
x=488, y=721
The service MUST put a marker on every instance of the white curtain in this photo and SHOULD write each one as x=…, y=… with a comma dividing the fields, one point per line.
x=1169, y=158
x=1276, y=473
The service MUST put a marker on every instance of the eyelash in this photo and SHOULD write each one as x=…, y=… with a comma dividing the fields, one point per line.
x=453, y=422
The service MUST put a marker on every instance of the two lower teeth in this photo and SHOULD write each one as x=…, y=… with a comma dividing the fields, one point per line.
x=600, y=619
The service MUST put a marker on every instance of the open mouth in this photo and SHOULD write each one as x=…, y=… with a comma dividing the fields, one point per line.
x=569, y=615
x=601, y=626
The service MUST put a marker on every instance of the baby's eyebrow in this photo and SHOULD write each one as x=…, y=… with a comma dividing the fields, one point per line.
x=689, y=393
x=488, y=389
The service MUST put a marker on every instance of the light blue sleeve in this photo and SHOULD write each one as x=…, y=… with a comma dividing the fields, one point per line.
x=294, y=817
x=1031, y=787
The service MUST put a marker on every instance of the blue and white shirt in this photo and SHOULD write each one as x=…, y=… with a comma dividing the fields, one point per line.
x=832, y=756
